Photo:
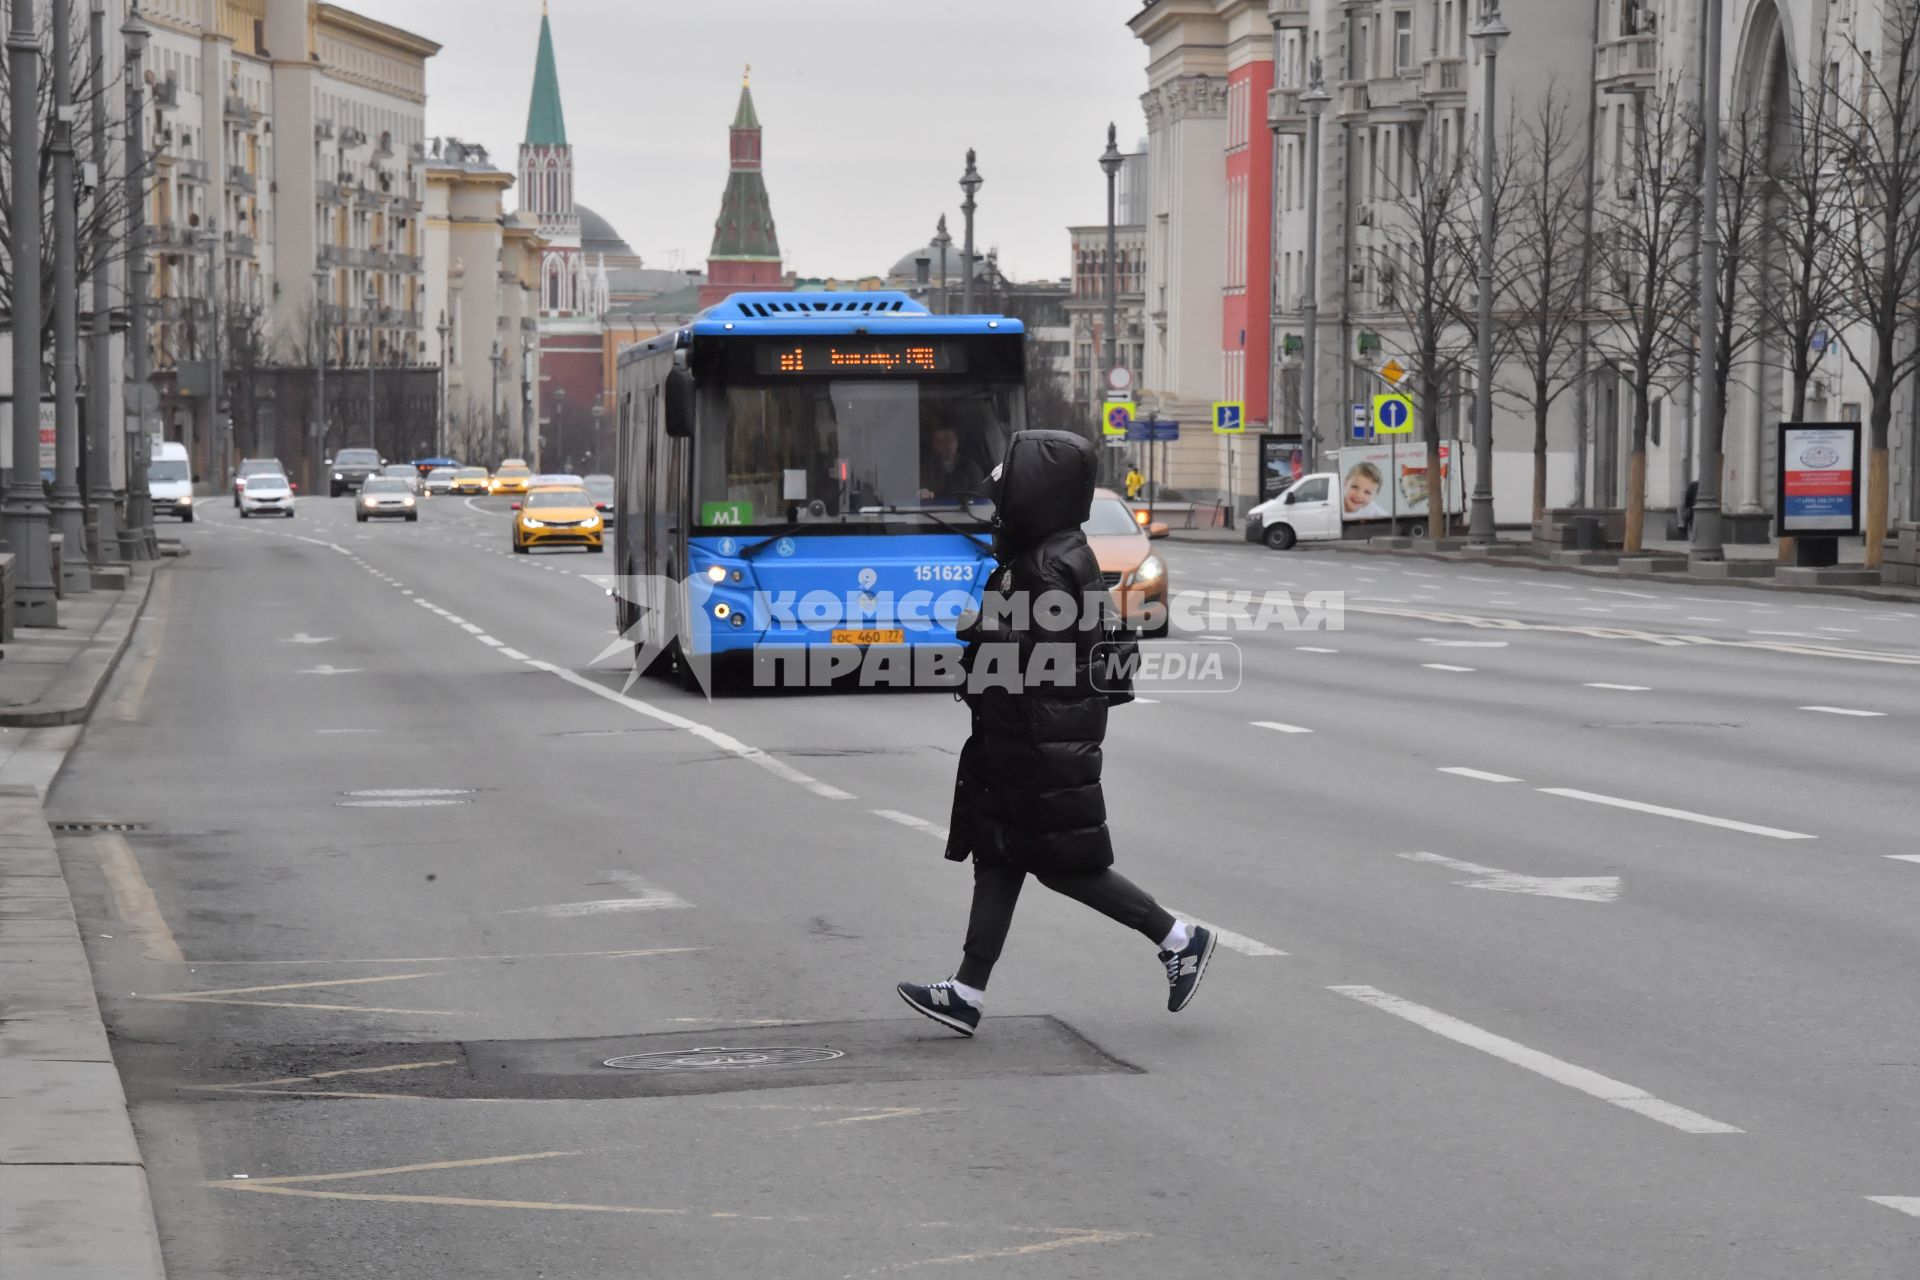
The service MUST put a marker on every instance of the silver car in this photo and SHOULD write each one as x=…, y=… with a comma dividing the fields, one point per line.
x=385, y=497
x=266, y=494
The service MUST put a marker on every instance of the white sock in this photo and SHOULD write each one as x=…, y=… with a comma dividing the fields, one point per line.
x=972, y=995
x=1178, y=939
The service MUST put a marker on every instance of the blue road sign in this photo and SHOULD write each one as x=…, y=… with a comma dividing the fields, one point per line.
x=1160, y=432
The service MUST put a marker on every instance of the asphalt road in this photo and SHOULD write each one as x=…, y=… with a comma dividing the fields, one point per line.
x=1570, y=932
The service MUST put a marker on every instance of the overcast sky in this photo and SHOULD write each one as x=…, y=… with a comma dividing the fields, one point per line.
x=869, y=108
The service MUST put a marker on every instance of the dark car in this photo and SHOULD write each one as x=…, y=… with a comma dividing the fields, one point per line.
x=350, y=469
x=600, y=489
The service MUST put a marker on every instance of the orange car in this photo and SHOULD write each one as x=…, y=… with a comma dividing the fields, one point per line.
x=1136, y=576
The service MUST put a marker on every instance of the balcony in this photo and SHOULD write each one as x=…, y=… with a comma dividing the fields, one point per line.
x=1628, y=64
x=406, y=262
x=166, y=93
x=191, y=170
x=1444, y=81
x=242, y=246
x=1350, y=99
x=1284, y=14
x=327, y=192
x=1396, y=100
x=1284, y=112
x=238, y=110
x=240, y=180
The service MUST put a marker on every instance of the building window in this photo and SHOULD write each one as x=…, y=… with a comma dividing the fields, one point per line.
x=1402, y=40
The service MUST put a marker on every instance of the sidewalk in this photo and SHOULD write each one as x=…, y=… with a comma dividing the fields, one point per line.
x=1742, y=556
x=73, y=1189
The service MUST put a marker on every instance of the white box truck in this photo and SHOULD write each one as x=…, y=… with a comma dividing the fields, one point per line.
x=1372, y=489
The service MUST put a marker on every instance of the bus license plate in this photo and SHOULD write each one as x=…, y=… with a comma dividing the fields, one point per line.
x=869, y=636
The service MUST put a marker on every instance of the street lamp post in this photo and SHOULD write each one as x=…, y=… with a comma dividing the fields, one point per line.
x=137, y=541
x=373, y=306
x=1490, y=35
x=1110, y=162
x=210, y=241
x=497, y=359
x=440, y=418
x=942, y=241
x=560, y=424
x=970, y=182
x=322, y=341
x=529, y=420
x=1707, y=544
x=69, y=515
x=100, y=495
x=23, y=513
x=1314, y=100
x=599, y=414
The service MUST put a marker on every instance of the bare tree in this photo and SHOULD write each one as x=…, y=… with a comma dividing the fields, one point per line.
x=1424, y=267
x=1874, y=128
x=104, y=206
x=1801, y=285
x=1740, y=321
x=1049, y=401
x=1541, y=276
x=1642, y=259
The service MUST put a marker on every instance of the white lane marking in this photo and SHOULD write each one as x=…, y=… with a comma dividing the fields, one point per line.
x=302, y=637
x=349, y=730
x=419, y=802
x=1148, y=702
x=645, y=897
x=1464, y=644
x=328, y=669
x=1905, y=857
x=1312, y=648
x=1591, y=1083
x=1215, y=636
x=1684, y=815
x=1573, y=888
x=1623, y=688
x=1706, y=619
x=1797, y=635
x=470, y=629
x=515, y=654
x=1851, y=631
x=1229, y=939
x=1617, y=591
x=489, y=641
x=1845, y=711
x=395, y=793
x=1277, y=727
x=1481, y=775
x=707, y=733
x=1909, y=1205
x=918, y=824
x=1443, y=666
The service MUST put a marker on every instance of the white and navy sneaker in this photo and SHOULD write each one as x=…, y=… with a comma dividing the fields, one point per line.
x=939, y=1001
x=1185, y=968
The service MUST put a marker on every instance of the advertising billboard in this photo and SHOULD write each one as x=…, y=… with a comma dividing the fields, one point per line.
x=1819, y=482
x=1382, y=482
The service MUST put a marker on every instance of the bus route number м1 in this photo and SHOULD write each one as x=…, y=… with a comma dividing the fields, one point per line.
x=943, y=572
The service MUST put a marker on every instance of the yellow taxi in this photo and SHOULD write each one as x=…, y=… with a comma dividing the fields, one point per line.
x=473, y=480
x=556, y=516
x=511, y=476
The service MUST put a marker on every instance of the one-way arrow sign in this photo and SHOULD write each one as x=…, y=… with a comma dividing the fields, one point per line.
x=1574, y=888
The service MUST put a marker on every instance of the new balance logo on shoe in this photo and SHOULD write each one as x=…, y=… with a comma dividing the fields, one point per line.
x=939, y=997
x=1188, y=965
x=936, y=1000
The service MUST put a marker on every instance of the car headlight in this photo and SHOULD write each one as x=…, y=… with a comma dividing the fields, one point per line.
x=528, y=522
x=591, y=522
x=338, y=476
x=406, y=500
x=1150, y=570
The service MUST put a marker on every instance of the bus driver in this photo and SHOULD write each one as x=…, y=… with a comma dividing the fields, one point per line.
x=945, y=476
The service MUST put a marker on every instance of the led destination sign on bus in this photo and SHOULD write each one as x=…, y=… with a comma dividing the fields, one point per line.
x=904, y=356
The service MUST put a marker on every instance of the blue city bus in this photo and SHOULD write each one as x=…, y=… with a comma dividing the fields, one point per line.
x=812, y=467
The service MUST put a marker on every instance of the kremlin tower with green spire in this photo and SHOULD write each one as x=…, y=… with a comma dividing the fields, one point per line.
x=745, y=257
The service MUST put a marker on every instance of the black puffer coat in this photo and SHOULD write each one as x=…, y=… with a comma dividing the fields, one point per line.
x=1028, y=793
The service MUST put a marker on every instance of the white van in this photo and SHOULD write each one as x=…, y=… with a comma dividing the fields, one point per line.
x=1307, y=512
x=170, y=480
x=1374, y=490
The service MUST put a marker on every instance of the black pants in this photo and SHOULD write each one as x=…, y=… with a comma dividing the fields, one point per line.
x=996, y=890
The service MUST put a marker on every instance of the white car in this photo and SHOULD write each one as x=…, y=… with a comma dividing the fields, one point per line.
x=170, y=481
x=266, y=494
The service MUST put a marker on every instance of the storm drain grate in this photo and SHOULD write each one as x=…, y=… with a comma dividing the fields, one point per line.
x=91, y=826
x=721, y=1059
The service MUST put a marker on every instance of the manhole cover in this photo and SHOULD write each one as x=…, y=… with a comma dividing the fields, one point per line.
x=88, y=828
x=720, y=1059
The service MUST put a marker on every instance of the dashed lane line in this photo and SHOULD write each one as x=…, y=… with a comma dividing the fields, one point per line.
x=1277, y=727
x=1909, y=1205
x=912, y=823
x=1905, y=857
x=1229, y=939
x=1621, y=688
x=1846, y=711
x=1683, y=815
x=1591, y=1083
x=1479, y=775
x=1443, y=666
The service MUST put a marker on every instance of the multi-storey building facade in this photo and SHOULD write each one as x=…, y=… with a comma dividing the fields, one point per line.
x=484, y=273
x=288, y=140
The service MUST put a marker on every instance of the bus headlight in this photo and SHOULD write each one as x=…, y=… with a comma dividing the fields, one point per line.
x=716, y=573
x=722, y=610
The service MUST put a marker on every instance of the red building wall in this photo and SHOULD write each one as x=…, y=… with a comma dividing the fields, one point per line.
x=571, y=363
x=1246, y=308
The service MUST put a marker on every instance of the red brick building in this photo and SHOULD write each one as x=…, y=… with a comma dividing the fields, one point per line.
x=746, y=252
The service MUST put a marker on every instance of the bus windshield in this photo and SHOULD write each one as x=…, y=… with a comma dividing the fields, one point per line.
x=848, y=451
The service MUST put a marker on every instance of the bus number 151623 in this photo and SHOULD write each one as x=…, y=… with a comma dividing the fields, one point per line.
x=943, y=572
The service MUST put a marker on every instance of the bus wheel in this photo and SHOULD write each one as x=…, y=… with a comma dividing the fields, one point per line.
x=1279, y=537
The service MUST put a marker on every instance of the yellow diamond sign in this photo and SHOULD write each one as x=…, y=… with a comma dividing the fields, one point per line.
x=1393, y=371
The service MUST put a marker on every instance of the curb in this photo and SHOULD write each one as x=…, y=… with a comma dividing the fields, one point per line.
x=73, y=696
x=74, y=1199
